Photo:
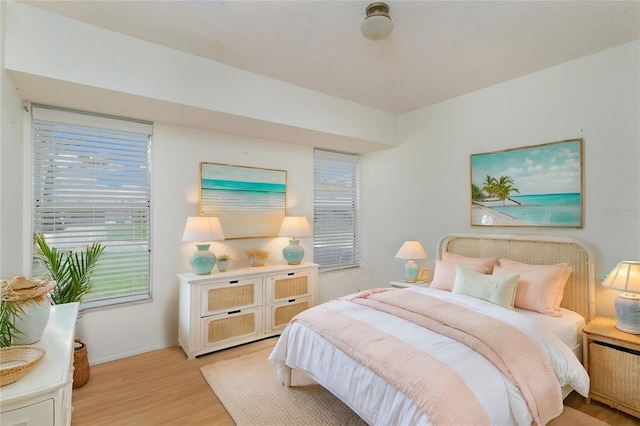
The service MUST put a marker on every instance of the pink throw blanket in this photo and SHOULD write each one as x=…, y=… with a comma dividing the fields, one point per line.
x=431, y=384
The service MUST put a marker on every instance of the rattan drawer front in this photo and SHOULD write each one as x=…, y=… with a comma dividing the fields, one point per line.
x=614, y=374
x=222, y=329
x=224, y=297
x=289, y=286
x=281, y=313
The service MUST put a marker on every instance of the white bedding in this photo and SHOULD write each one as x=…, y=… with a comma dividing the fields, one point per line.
x=566, y=327
x=377, y=402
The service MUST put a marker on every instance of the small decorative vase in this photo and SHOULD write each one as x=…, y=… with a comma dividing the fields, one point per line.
x=32, y=322
x=223, y=265
x=256, y=261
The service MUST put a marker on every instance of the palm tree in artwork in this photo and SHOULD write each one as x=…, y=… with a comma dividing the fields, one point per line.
x=488, y=185
x=500, y=188
x=504, y=187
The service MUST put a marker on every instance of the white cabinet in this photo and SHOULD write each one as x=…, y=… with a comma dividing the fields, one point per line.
x=43, y=395
x=225, y=309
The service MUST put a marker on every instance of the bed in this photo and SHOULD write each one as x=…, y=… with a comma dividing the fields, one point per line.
x=397, y=356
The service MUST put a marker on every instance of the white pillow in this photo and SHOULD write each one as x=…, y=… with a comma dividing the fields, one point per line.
x=497, y=289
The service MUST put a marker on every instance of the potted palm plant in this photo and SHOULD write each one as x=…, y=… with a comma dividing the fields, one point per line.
x=71, y=272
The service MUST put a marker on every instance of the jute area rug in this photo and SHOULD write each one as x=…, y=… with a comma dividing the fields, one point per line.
x=248, y=388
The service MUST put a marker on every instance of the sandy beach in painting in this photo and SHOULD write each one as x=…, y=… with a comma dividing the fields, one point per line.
x=529, y=210
x=479, y=211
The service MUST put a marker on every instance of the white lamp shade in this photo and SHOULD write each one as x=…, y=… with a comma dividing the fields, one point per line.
x=624, y=277
x=202, y=228
x=295, y=227
x=411, y=250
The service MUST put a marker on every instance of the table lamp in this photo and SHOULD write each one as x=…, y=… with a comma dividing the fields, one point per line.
x=294, y=227
x=625, y=277
x=411, y=250
x=202, y=229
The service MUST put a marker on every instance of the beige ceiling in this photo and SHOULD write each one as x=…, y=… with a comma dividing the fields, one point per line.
x=438, y=49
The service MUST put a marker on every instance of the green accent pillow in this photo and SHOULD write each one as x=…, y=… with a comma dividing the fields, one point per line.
x=497, y=289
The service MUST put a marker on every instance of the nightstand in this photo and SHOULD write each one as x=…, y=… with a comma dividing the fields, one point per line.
x=403, y=284
x=612, y=359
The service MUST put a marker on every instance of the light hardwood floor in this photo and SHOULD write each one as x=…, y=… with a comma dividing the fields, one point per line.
x=164, y=388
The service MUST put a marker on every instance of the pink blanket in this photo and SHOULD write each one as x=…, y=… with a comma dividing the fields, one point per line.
x=432, y=385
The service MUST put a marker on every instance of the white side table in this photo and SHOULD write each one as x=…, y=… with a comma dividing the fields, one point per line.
x=43, y=395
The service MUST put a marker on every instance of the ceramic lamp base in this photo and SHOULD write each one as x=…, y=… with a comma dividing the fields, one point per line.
x=410, y=272
x=628, y=312
x=293, y=253
x=203, y=260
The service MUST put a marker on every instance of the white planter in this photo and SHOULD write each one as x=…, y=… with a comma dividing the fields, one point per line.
x=32, y=322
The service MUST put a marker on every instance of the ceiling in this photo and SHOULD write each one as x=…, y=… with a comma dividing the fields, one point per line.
x=438, y=49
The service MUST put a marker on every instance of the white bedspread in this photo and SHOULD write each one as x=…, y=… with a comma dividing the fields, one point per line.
x=379, y=403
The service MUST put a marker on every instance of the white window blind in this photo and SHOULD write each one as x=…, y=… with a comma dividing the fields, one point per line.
x=91, y=183
x=336, y=241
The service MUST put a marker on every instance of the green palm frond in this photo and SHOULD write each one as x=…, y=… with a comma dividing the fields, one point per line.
x=70, y=270
x=8, y=312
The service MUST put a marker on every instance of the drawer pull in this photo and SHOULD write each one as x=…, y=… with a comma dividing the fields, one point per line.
x=291, y=273
x=233, y=282
x=234, y=312
x=292, y=300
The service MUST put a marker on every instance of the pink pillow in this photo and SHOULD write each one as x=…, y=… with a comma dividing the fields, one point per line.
x=545, y=278
x=444, y=275
x=470, y=262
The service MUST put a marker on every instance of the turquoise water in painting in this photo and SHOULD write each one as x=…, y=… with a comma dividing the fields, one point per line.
x=221, y=196
x=234, y=185
x=568, y=199
x=546, y=209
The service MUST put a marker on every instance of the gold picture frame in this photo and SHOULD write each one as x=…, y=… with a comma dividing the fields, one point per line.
x=532, y=186
x=424, y=275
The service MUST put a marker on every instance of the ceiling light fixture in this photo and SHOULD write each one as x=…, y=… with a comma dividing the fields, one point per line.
x=377, y=25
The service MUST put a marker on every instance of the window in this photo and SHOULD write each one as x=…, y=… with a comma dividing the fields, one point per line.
x=91, y=183
x=336, y=241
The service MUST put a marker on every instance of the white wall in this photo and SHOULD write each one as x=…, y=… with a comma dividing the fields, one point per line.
x=11, y=174
x=420, y=190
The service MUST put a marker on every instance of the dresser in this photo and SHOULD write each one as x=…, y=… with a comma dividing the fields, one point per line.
x=43, y=395
x=225, y=309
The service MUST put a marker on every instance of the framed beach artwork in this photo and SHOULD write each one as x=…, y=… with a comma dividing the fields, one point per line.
x=538, y=185
x=250, y=202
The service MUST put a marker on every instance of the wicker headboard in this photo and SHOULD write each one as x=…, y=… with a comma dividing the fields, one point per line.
x=579, y=293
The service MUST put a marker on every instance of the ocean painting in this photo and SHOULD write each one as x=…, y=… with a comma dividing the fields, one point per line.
x=537, y=185
x=250, y=202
